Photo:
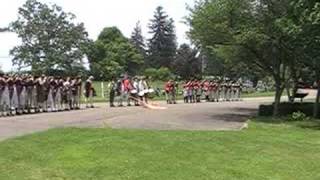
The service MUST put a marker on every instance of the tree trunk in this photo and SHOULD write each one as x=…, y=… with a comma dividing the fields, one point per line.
x=277, y=100
x=289, y=94
x=316, y=104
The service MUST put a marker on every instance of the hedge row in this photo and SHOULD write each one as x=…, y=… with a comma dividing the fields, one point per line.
x=287, y=109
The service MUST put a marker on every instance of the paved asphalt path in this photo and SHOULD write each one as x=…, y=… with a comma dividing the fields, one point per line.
x=202, y=116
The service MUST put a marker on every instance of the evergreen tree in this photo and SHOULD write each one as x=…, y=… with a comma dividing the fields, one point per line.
x=138, y=40
x=187, y=64
x=162, y=45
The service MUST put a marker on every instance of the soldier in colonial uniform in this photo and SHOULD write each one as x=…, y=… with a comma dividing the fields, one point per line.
x=40, y=94
x=143, y=89
x=58, y=96
x=2, y=87
x=29, y=93
x=6, y=97
x=5, y=101
x=127, y=87
x=78, y=93
x=19, y=88
x=228, y=91
x=112, y=93
x=216, y=92
x=185, y=92
x=190, y=91
x=197, y=91
x=223, y=90
x=52, y=94
x=11, y=88
x=207, y=90
x=66, y=94
x=135, y=90
x=168, y=88
x=119, y=92
x=89, y=90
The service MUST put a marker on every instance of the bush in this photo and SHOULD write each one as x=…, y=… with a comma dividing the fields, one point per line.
x=158, y=74
x=287, y=108
x=298, y=116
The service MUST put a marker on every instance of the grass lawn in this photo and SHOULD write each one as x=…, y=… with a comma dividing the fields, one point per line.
x=258, y=94
x=264, y=151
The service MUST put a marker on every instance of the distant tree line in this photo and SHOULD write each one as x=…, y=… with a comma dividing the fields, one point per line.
x=52, y=42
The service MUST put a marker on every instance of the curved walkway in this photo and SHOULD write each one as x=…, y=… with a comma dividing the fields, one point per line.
x=202, y=116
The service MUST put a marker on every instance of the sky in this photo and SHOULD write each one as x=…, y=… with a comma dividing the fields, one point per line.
x=97, y=14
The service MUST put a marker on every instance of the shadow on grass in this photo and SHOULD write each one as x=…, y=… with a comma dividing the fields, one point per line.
x=313, y=124
x=232, y=117
x=237, y=115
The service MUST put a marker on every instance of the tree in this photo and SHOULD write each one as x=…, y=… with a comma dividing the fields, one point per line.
x=304, y=26
x=253, y=28
x=138, y=40
x=50, y=38
x=186, y=63
x=4, y=29
x=162, y=46
x=112, y=55
x=227, y=61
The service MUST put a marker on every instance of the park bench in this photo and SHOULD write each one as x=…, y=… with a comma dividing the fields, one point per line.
x=300, y=95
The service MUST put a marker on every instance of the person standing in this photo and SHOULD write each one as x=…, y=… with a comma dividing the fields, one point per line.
x=143, y=89
x=59, y=89
x=52, y=94
x=135, y=90
x=168, y=88
x=78, y=93
x=127, y=87
x=19, y=89
x=113, y=88
x=119, y=92
x=207, y=90
x=5, y=99
x=174, y=89
x=185, y=92
x=89, y=92
x=29, y=93
x=12, y=94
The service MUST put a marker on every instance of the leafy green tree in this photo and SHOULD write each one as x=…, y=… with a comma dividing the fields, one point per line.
x=50, y=38
x=187, y=64
x=304, y=26
x=113, y=54
x=253, y=28
x=162, y=73
x=162, y=46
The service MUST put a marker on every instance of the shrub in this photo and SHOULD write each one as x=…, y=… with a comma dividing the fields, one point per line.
x=287, y=108
x=158, y=74
x=164, y=74
x=298, y=116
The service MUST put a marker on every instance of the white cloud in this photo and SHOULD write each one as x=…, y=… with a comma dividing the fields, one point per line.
x=97, y=14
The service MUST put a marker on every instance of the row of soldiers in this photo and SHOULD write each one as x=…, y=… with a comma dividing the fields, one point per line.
x=210, y=90
x=24, y=94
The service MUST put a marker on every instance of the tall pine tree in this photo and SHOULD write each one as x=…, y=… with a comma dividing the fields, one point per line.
x=138, y=40
x=162, y=46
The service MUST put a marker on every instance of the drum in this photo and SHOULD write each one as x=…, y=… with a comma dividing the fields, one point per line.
x=141, y=93
x=151, y=91
x=134, y=91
